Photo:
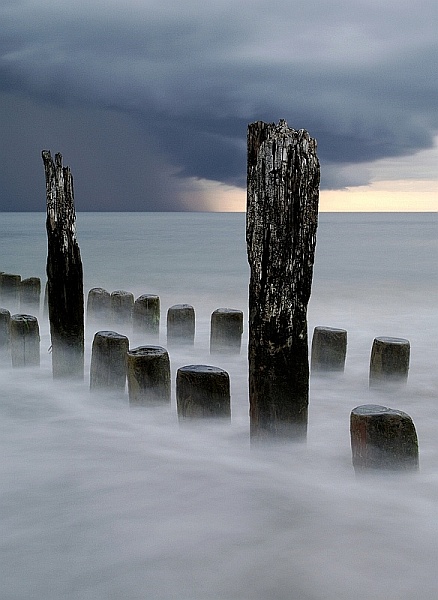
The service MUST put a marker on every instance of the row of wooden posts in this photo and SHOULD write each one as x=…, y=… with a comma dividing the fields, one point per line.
x=22, y=294
x=283, y=176
x=389, y=356
x=380, y=437
x=201, y=390
x=119, y=308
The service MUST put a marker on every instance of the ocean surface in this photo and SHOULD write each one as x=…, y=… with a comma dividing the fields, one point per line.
x=102, y=502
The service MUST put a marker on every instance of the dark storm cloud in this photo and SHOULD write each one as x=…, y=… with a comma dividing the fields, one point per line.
x=139, y=94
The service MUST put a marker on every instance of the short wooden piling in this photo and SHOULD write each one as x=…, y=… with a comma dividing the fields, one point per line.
x=389, y=362
x=148, y=371
x=5, y=333
x=98, y=306
x=226, y=328
x=181, y=325
x=30, y=295
x=122, y=304
x=146, y=315
x=108, y=361
x=25, y=341
x=282, y=215
x=202, y=391
x=382, y=438
x=329, y=349
x=10, y=290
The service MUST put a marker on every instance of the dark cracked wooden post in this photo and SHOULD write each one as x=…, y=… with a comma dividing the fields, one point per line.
x=64, y=272
x=282, y=217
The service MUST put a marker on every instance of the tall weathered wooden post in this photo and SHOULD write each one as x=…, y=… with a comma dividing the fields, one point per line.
x=64, y=272
x=282, y=216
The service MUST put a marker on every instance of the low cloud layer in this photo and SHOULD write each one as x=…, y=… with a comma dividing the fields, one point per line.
x=141, y=96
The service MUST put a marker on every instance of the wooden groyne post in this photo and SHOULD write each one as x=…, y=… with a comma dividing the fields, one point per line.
x=146, y=314
x=202, y=391
x=282, y=215
x=226, y=328
x=64, y=272
x=382, y=438
x=329, y=349
x=98, y=305
x=148, y=374
x=30, y=295
x=389, y=362
x=25, y=341
x=108, y=361
x=181, y=325
x=10, y=290
x=5, y=333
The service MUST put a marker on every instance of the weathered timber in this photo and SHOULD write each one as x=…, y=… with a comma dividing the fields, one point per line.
x=5, y=334
x=329, y=349
x=148, y=371
x=202, y=391
x=389, y=362
x=122, y=305
x=10, y=290
x=146, y=315
x=25, y=341
x=108, y=361
x=64, y=272
x=30, y=295
x=181, y=325
x=46, y=300
x=226, y=328
x=98, y=306
x=282, y=216
x=382, y=438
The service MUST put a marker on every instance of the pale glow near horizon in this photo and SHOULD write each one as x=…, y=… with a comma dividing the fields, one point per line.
x=382, y=196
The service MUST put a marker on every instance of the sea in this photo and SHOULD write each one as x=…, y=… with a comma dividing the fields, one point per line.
x=99, y=501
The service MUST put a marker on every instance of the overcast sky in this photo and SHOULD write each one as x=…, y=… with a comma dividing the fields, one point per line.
x=149, y=100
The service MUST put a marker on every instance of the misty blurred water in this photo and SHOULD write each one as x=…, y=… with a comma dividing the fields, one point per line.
x=98, y=501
